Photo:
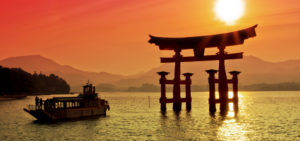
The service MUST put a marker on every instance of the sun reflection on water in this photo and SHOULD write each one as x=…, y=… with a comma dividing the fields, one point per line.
x=230, y=128
x=231, y=112
x=230, y=94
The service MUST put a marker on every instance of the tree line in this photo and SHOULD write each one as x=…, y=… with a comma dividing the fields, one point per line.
x=286, y=86
x=18, y=81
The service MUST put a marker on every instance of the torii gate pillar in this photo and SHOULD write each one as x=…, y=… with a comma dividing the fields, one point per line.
x=223, y=85
x=176, y=86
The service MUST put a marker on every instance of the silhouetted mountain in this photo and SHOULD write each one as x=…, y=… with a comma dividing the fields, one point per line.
x=254, y=71
x=75, y=77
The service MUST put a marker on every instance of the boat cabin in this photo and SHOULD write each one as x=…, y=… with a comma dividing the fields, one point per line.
x=89, y=89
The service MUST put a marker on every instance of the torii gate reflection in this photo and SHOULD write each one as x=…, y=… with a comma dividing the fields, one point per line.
x=198, y=44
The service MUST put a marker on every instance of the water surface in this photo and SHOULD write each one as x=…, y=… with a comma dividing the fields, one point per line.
x=137, y=116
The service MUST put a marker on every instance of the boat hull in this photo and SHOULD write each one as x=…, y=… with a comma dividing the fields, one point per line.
x=67, y=114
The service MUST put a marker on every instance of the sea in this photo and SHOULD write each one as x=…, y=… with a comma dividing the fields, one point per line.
x=272, y=115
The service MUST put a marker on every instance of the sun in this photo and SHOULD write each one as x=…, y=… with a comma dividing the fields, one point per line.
x=229, y=11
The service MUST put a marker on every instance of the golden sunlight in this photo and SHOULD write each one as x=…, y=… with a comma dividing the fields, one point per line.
x=230, y=94
x=229, y=11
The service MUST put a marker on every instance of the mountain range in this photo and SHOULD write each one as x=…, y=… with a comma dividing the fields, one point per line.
x=254, y=70
x=74, y=77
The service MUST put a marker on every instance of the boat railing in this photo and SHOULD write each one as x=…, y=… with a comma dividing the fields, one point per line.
x=35, y=107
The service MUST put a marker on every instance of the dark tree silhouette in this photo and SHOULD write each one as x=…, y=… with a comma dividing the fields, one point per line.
x=17, y=81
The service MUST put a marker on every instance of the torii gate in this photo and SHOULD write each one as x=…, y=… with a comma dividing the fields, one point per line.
x=198, y=44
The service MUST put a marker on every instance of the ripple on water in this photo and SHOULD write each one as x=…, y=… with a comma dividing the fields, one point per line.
x=262, y=116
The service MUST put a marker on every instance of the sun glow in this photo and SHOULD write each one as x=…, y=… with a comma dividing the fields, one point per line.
x=229, y=11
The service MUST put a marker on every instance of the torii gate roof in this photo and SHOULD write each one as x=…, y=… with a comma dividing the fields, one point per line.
x=225, y=39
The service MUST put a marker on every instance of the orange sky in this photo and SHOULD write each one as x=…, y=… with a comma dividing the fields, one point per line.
x=112, y=35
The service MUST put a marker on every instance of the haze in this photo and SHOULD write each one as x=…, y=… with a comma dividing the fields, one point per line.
x=112, y=35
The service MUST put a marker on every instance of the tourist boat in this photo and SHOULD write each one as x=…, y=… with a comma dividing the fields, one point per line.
x=86, y=104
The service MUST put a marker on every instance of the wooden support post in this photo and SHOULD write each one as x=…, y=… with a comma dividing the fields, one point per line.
x=235, y=89
x=223, y=85
x=163, y=97
x=176, y=87
x=212, y=89
x=188, y=90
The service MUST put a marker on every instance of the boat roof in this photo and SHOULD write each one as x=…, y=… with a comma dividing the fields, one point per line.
x=68, y=98
x=225, y=39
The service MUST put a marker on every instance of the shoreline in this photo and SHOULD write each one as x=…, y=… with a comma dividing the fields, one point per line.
x=15, y=97
x=5, y=99
x=12, y=97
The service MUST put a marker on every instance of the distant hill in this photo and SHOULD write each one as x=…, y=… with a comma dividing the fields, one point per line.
x=254, y=71
x=75, y=77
